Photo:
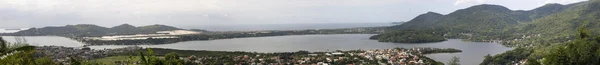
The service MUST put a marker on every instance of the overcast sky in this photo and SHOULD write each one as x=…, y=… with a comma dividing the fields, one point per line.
x=39, y=13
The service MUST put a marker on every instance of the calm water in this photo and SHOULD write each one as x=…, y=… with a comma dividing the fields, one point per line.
x=253, y=27
x=3, y=30
x=472, y=54
x=46, y=41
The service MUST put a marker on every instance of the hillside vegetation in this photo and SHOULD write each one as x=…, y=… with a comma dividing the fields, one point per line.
x=93, y=30
x=495, y=23
x=413, y=36
x=538, y=35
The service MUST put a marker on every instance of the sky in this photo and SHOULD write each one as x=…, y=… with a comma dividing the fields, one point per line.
x=40, y=13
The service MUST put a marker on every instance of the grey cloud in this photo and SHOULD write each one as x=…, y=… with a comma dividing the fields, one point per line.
x=39, y=13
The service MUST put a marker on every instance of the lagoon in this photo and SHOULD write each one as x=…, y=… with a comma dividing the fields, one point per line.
x=472, y=54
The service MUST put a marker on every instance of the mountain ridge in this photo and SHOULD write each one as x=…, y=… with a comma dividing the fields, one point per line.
x=532, y=32
x=479, y=22
x=93, y=30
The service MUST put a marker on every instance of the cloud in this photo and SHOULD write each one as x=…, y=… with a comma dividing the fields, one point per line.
x=459, y=2
x=563, y=1
x=60, y=12
x=39, y=13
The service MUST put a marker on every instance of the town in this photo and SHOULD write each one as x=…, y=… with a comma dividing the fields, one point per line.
x=412, y=56
x=63, y=54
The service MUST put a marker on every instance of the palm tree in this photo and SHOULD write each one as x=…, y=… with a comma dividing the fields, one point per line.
x=6, y=49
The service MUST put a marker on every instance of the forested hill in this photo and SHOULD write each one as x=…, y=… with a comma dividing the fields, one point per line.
x=93, y=30
x=548, y=34
x=561, y=26
x=421, y=21
x=484, y=22
x=479, y=18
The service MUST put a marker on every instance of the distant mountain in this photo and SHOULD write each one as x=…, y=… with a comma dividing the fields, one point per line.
x=155, y=28
x=123, y=29
x=93, y=30
x=80, y=29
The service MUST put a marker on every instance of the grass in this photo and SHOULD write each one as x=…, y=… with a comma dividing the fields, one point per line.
x=111, y=60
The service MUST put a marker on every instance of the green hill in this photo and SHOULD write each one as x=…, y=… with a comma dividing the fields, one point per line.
x=555, y=38
x=421, y=21
x=534, y=32
x=69, y=30
x=559, y=27
x=123, y=29
x=93, y=30
x=479, y=23
x=479, y=18
x=156, y=28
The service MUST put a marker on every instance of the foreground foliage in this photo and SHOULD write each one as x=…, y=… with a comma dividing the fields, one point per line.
x=20, y=54
x=548, y=35
x=454, y=61
x=585, y=50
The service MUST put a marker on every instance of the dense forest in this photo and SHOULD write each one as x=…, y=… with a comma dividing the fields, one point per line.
x=537, y=35
x=584, y=50
x=412, y=36
x=482, y=23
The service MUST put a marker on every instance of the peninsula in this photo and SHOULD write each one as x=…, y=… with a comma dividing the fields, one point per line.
x=162, y=34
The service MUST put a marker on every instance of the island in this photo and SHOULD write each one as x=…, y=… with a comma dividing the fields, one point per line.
x=409, y=37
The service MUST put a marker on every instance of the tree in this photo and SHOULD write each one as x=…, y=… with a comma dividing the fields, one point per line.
x=454, y=61
x=143, y=58
x=171, y=56
x=3, y=45
x=173, y=59
x=74, y=61
x=532, y=61
x=6, y=48
x=149, y=59
x=486, y=60
x=582, y=51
